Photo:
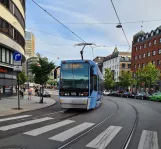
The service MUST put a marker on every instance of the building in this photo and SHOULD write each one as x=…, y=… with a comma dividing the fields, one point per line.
x=99, y=61
x=30, y=44
x=30, y=61
x=117, y=62
x=12, y=38
x=146, y=47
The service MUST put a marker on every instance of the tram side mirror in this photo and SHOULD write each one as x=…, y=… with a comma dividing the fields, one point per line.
x=55, y=74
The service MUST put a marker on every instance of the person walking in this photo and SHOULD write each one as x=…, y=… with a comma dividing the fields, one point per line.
x=29, y=93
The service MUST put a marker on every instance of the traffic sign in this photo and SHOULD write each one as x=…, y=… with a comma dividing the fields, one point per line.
x=17, y=56
x=17, y=68
x=17, y=63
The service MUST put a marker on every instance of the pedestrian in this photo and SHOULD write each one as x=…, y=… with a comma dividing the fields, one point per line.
x=29, y=93
x=36, y=91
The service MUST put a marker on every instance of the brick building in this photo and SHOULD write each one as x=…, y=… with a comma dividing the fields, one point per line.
x=146, y=47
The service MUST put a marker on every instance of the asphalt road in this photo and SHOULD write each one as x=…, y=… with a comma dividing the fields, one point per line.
x=119, y=123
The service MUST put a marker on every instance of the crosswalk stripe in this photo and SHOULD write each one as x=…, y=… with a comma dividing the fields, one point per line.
x=47, y=128
x=8, y=127
x=101, y=141
x=71, y=132
x=148, y=140
x=13, y=118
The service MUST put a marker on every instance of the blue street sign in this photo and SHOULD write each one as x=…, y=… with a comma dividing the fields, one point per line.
x=17, y=56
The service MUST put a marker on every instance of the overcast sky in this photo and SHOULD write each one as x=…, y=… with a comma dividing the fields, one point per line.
x=81, y=17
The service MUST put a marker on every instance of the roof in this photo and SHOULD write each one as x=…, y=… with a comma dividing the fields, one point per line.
x=140, y=33
x=98, y=59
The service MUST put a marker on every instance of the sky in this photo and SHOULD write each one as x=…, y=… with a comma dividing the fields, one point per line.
x=88, y=19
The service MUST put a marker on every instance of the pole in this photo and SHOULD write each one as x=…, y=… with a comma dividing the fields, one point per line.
x=18, y=92
x=81, y=52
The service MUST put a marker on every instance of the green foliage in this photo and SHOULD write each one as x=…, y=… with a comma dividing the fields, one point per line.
x=125, y=79
x=22, y=78
x=42, y=70
x=147, y=75
x=109, y=81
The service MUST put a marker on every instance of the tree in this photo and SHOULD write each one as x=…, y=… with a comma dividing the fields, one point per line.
x=109, y=80
x=22, y=78
x=41, y=71
x=148, y=75
x=126, y=79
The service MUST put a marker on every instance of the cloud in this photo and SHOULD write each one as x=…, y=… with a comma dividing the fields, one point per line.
x=88, y=11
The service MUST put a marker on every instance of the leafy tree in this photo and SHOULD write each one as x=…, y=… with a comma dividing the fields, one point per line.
x=22, y=78
x=126, y=79
x=109, y=81
x=41, y=71
x=148, y=75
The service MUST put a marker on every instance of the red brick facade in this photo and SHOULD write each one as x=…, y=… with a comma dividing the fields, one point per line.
x=147, y=53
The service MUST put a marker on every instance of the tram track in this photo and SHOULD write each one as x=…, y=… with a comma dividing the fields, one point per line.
x=92, y=128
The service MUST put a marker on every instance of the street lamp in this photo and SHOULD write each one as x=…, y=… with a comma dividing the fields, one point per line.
x=119, y=25
x=83, y=44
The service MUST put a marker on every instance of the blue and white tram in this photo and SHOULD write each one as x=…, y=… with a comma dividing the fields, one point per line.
x=80, y=84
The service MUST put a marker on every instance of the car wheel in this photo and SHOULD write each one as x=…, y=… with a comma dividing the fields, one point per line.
x=142, y=98
x=158, y=99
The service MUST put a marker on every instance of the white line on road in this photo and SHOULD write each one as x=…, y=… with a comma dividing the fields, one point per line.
x=149, y=140
x=101, y=141
x=71, y=132
x=13, y=118
x=47, y=128
x=8, y=127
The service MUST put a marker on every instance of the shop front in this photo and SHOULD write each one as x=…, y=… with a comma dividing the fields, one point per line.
x=8, y=81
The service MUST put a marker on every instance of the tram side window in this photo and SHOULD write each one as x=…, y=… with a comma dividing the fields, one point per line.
x=95, y=82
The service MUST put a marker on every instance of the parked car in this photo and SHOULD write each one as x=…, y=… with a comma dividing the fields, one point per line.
x=156, y=96
x=113, y=93
x=119, y=93
x=126, y=94
x=106, y=93
x=142, y=95
x=46, y=93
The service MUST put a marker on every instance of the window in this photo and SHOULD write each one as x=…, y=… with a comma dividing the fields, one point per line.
x=136, y=57
x=144, y=46
x=154, y=52
x=8, y=29
x=160, y=40
x=129, y=65
x=95, y=83
x=143, y=65
x=3, y=56
x=7, y=56
x=11, y=58
x=138, y=39
x=136, y=49
x=155, y=42
x=153, y=62
x=142, y=38
x=152, y=34
x=134, y=66
x=139, y=56
x=5, y=3
x=149, y=44
x=0, y=54
x=123, y=65
x=159, y=51
x=144, y=55
x=138, y=65
x=147, y=36
x=134, y=75
x=140, y=47
x=157, y=32
x=148, y=53
x=158, y=62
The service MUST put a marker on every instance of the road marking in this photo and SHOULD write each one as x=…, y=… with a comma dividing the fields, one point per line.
x=13, y=118
x=8, y=127
x=47, y=128
x=71, y=132
x=101, y=141
x=148, y=140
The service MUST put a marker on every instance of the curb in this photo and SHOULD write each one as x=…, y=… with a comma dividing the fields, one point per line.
x=30, y=110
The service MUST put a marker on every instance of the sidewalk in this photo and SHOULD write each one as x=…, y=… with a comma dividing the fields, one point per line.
x=9, y=105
